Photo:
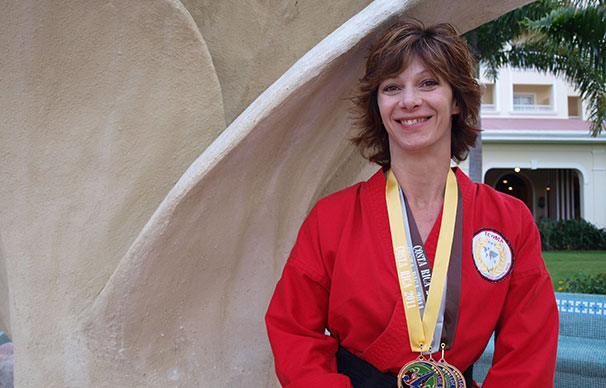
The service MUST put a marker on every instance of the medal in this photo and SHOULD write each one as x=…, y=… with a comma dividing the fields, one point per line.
x=422, y=373
x=453, y=375
x=428, y=373
x=456, y=377
x=422, y=317
x=449, y=378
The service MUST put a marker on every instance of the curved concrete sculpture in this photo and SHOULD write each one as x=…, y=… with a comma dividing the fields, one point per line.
x=188, y=289
x=253, y=43
x=98, y=122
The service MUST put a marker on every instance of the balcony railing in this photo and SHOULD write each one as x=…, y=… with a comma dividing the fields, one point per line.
x=489, y=108
x=532, y=108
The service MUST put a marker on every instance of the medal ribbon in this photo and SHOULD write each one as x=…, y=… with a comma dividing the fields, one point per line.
x=421, y=331
x=415, y=243
x=422, y=270
x=410, y=229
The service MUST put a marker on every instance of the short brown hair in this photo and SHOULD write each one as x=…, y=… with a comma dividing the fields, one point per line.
x=444, y=53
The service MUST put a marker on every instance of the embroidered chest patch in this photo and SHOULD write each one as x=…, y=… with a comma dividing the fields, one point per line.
x=492, y=254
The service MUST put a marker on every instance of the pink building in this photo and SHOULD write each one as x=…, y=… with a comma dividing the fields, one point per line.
x=537, y=146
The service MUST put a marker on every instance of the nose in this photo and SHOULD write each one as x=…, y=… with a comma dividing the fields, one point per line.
x=409, y=99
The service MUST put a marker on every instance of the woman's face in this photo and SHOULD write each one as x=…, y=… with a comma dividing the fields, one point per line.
x=416, y=109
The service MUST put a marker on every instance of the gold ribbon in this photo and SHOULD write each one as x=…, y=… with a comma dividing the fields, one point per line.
x=420, y=331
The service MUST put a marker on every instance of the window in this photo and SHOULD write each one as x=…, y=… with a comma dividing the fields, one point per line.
x=488, y=98
x=532, y=98
x=521, y=99
x=574, y=107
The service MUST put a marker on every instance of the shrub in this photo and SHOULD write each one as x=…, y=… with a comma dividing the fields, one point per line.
x=576, y=234
x=584, y=284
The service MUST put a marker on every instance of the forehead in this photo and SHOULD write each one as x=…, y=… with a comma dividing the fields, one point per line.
x=414, y=66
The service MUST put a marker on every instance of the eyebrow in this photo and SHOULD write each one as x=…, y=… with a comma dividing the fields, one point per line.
x=424, y=73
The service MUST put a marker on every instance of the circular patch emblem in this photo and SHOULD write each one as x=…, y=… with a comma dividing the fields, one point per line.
x=492, y=254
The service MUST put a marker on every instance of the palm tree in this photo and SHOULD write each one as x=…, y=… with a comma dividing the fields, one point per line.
x=566, y=38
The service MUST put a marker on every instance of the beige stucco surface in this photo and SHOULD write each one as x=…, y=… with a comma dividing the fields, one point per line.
x=114, y=271
x=104, y=104
x=254, y=42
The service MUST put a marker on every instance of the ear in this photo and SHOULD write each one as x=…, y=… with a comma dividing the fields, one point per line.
x=455, y=107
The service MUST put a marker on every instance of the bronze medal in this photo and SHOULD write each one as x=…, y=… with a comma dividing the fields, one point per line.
x=457, y=376
x=454, y=372
x=450, y=380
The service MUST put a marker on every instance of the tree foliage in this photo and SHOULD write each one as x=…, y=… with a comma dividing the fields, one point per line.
x=567, y=38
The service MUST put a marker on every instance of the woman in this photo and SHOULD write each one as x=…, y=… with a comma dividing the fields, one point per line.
x=418, y=257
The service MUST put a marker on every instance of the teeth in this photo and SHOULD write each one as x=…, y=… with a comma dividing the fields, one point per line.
x=413, y=121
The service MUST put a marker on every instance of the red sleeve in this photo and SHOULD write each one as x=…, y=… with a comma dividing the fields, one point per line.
x=297, y=315
x=526, y=336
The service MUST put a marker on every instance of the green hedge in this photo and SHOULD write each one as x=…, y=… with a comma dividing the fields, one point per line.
x=576, y=234
x=584, y=284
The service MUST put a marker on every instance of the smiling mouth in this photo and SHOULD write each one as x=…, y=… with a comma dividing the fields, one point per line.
x=413, y=121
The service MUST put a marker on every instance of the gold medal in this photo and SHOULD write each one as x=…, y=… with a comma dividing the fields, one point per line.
x=428, y=373
x=421, y=373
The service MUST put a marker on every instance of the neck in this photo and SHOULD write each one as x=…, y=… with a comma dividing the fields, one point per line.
x=423, y=181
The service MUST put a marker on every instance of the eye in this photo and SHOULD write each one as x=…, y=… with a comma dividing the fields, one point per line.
x=429, y=83
x=390, y=88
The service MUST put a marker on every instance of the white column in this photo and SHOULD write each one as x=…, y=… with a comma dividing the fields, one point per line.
x=598, y=188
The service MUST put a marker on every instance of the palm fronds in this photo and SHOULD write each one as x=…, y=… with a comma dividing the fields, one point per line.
x=567, y=38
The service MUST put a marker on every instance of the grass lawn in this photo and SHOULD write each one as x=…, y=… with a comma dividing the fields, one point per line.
x=562, y=264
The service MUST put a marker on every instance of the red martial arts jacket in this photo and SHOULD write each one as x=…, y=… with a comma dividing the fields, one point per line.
x=341, y=275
